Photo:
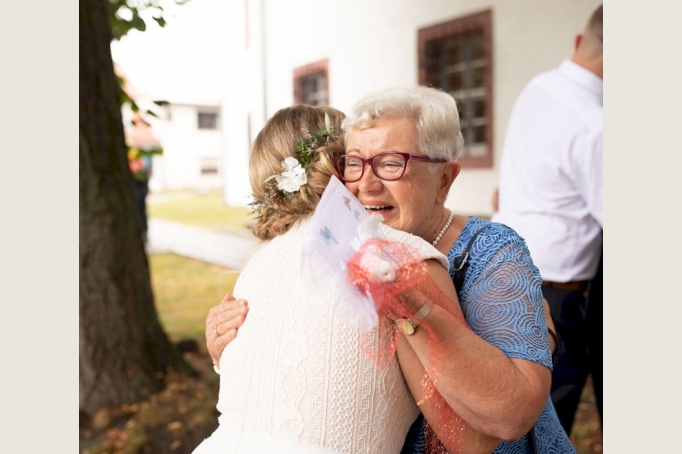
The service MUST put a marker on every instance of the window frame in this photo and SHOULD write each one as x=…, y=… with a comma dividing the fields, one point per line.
x=300, y=73
x=204, y=112
x=209, y=166
x=480, y=22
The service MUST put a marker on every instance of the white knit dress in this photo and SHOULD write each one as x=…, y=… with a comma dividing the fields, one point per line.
x=295, y=379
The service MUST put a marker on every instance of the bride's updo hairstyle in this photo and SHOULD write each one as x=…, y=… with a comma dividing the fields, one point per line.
x=290, y=128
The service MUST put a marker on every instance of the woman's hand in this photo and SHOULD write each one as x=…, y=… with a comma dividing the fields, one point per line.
x=222, y=324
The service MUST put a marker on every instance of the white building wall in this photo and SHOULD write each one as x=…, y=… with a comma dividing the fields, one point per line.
x=244, y=103
x=184, y=147
x=372, y=44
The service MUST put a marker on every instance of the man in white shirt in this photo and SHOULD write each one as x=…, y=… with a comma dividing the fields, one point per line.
x=551, y=193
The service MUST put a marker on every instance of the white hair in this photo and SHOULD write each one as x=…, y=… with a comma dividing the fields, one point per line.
x=434, y=113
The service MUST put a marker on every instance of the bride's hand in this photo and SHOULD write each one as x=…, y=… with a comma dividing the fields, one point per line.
x=222, y=324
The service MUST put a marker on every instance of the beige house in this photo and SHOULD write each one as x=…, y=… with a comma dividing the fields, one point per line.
x=333, y=51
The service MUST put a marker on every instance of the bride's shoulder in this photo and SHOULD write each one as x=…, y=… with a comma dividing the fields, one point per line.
x=422, y=249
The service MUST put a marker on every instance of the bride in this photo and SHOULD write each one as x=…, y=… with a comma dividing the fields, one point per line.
x=297, y=379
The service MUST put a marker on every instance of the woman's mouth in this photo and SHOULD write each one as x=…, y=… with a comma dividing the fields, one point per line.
x=378, y=209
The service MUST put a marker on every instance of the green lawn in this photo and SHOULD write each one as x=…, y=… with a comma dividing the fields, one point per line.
x=184, y=290
x=203, y=210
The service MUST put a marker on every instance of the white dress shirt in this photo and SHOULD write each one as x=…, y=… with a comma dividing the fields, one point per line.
x=551, y=180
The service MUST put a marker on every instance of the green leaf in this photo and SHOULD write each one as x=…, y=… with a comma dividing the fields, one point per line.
x=151, y=151
x=160, y=20
x=125, y=17
x=138, y=23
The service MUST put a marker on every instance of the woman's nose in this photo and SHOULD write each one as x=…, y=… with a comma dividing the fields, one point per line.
x=369, y=182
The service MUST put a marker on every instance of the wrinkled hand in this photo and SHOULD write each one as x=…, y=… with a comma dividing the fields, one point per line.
x=222, y=324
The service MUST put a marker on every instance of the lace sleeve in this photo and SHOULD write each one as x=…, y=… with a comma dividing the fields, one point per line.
x=502, y=298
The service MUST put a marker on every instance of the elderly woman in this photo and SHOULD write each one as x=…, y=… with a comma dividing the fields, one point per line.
x=401, y=155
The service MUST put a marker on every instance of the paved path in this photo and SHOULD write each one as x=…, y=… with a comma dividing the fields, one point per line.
x=226, y=249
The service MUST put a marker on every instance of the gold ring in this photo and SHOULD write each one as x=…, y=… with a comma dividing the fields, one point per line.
x=215, y=328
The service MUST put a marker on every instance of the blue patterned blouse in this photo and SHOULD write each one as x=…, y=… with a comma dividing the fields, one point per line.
x=502, y=301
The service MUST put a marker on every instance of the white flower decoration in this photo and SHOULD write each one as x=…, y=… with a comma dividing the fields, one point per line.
x=377, y=264
x=293, y=176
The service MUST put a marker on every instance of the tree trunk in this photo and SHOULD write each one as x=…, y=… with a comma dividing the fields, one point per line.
x=123, y=349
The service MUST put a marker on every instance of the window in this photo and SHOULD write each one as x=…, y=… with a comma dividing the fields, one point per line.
x=311, y=84
x=207, y=120
x=456, y=56
x=209, y=166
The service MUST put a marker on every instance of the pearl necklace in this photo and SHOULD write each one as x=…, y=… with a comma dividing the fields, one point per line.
x=444, y=229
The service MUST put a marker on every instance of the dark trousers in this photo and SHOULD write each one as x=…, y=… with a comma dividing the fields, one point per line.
x=578, y=317
x=595, y=334
x=571, y=364
x=141, y=191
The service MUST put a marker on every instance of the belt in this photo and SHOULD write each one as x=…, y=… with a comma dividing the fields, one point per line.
x=575, y=286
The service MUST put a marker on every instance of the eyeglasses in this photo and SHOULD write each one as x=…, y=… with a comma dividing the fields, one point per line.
x=388, y=166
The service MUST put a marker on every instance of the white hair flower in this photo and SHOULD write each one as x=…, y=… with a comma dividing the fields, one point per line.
x=292, y=178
